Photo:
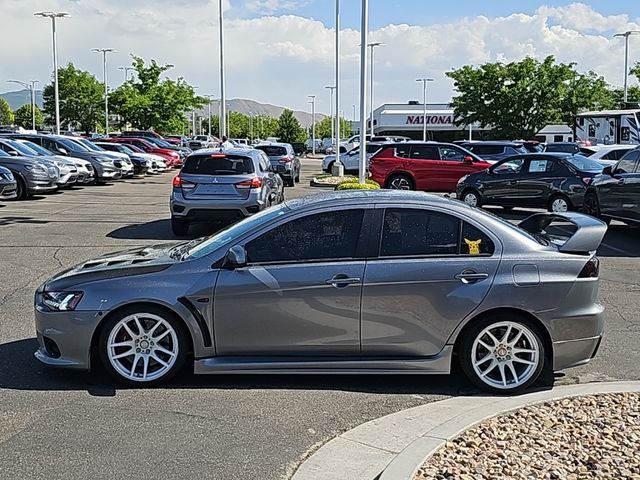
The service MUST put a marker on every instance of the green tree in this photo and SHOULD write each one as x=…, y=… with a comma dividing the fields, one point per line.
x=152, y=102
x=23, y=116
x=81, y=99
x=215, y=125
x=323, y=128
x=518, y=99
x=289, y=129
x=6, y=114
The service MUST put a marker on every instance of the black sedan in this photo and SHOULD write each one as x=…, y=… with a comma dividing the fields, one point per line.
x=616, y=193
x=557, y=181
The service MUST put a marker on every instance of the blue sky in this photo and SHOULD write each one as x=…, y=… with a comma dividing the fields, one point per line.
x=422, y=12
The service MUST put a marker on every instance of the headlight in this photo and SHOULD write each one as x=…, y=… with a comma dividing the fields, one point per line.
x=105, y=161
x=61, y=301
x=463, y=179
x=35, y=168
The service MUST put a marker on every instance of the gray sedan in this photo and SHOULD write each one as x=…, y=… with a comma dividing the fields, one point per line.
x=383, y=282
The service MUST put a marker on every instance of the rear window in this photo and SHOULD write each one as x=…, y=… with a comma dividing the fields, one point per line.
x=273, y=151
x=228, y=165
x=486, y=149
x=584, y=164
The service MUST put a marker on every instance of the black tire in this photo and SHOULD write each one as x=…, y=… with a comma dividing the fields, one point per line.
x=177, y=325
x=465, y=352
x=400, y=179
x=472, y=192
x=330, y=167
x=179, y=226
x=559, y=197
x=591, y=204
x=297, y=179
x=21, y=189
x=289, y=182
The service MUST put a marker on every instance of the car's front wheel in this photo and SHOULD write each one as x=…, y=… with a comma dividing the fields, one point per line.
x=472, y=198
x=502, y=354
x=559, y=204
x=142, y=346
x=179, y=226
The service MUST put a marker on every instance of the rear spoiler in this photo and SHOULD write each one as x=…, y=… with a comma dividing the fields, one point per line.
x=588, y=235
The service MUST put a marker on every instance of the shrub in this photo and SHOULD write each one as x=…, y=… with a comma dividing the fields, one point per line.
x=351, y=185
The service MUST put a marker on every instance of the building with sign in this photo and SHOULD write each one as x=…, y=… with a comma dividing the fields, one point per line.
x=406, y=119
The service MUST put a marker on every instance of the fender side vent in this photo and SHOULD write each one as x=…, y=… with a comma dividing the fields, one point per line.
x=202, y=324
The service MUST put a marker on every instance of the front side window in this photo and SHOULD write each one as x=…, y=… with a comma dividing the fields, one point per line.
x=628, y=163
x=451, y=154
x=317, y=237
x=512, y=166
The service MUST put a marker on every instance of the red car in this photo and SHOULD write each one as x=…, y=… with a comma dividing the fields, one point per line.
x=429, y=166
x=172, y=157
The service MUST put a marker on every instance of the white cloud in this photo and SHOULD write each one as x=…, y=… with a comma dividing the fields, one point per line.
x=268, y=7
x=282, y=59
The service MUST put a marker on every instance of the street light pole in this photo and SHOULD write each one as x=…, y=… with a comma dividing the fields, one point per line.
x=53, y=16
x=337, y=87
x=626, y=36
x=364, y=35
x=31, y=87
x=313, y=123
x=331, y=111
x=223, y=93
x=209, y=98
x=126, y=72
x=104, y=52
x=424, y=105
x=372, y=46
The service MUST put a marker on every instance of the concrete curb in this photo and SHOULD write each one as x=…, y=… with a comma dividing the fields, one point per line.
x=395, y=446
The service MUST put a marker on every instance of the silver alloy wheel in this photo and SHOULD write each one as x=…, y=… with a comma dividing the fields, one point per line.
x=142, y=347
x=400, y=183
x=470, y=199
x=559, y=205
x=505, y=355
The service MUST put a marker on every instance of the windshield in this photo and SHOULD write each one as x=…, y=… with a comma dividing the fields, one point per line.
x=205, y=246
x=23, y=149
x=90, y=145
x=159, y=143
x=71, y=145
x=584, y=164
x=4, y=154
x=201, y=138
x=41, y=151
x=133, y=148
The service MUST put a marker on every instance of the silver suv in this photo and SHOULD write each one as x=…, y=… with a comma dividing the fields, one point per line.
x=223, y=185
x=283, y=160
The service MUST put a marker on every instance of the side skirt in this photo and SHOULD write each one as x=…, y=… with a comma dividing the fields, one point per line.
x=437, y=364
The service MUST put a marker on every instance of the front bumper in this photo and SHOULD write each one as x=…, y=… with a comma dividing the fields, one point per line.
x=67, y=179
x=65, y=338
x=8, y=191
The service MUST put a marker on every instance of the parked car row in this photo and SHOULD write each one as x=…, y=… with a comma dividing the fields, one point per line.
x=40, y=163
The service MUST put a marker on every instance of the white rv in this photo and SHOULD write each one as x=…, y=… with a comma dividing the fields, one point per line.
x=609, y=127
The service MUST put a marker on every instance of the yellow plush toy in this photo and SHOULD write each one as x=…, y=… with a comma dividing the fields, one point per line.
x=474, y=246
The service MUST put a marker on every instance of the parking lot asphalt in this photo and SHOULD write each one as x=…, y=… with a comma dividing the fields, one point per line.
x=62, y=424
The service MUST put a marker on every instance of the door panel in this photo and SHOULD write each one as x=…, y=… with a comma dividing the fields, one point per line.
x=424, y=163
x=289, y=310
x=536, y=182
x=619, y=194
x=411, y=307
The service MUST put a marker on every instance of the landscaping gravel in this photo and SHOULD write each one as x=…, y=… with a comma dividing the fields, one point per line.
x=576, y=438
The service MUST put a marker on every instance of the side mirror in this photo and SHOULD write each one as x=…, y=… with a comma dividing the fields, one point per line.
x=468, y=159
x=13, y=153
x=236, y=258
x=608, y=171
x=63, y=151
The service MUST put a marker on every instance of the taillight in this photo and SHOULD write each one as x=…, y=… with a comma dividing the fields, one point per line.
x=255, y=182
x=591, y=269
x=285, y=160
x=587, y=180
x=179, y=182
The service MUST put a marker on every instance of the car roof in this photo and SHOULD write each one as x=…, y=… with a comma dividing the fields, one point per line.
x=367, y=197
x=233, y=151
x=272, y=144
x=493, y=142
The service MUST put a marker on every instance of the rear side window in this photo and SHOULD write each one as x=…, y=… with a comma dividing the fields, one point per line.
x=421, y=152
x=540, y=166
x=412, y=232
x=322, y=236
x=273, y=151
x=216, y=165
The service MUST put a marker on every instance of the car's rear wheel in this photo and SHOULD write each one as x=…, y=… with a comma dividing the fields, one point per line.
x=559, y=204
x=472, y=198
x=290, y=182
x=297, y=179
x=591, y=204
x=143, y=346
x=400, y=182
x=502, y=354
x=179, y=226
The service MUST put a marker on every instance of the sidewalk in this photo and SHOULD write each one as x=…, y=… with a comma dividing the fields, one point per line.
x=395, y=446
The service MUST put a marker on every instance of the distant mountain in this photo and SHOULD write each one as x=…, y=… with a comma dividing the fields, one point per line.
x=21, y=97
x=250, y=106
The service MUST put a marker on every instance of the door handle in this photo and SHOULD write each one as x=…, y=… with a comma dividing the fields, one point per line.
x=341, y=281
x=621, y=181
x=471, y=276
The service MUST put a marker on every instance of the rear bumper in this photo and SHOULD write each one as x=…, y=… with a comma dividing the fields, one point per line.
x=212, y=208
x=574, y=353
